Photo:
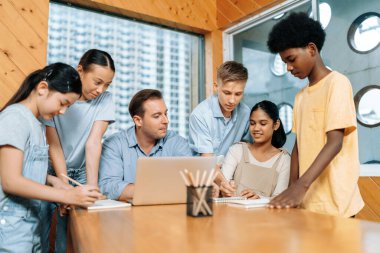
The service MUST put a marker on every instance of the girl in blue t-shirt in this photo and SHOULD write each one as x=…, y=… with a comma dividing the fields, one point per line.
x=75, y=138
x=24, y=156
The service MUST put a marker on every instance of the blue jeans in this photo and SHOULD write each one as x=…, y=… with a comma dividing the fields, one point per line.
x=46, y=214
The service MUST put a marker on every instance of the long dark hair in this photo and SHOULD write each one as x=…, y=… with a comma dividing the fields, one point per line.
x=59, y=76
x=279, y=136
x=97, y=57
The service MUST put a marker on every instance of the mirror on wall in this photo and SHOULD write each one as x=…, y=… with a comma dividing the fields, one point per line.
x=364, y=33
x=286, y=112
x=368, y=106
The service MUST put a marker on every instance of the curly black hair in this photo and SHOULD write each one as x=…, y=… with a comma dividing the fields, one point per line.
x=296, y=30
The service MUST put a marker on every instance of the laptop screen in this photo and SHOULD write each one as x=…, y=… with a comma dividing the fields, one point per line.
x=158, y=180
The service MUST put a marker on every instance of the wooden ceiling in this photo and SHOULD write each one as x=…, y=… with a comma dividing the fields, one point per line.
x=230, y=12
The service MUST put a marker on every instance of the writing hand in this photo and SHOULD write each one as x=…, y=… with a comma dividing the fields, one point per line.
x=228, y=189
x=83, y=195
x=249, y=194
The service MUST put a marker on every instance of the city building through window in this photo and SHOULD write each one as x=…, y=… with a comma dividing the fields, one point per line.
x=145, y=55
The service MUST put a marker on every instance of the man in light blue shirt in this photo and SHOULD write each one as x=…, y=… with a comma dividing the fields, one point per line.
x=148, y=138
x=221, y=120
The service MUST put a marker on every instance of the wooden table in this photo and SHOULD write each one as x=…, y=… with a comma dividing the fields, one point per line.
x=166, y=228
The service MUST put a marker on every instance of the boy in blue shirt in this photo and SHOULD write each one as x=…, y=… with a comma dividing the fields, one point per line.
x=221, y=120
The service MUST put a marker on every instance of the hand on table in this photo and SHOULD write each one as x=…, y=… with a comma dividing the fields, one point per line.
x=290, y=198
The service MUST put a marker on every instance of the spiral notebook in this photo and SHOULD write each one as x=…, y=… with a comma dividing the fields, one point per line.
x=108, y=204
x=227, y=199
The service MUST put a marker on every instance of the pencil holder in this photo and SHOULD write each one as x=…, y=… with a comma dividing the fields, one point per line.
x=199, y=201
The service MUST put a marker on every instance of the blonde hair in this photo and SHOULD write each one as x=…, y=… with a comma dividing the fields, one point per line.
x=232, y=71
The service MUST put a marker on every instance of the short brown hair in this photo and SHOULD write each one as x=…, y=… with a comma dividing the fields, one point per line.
x=232, y=71
x=136, y=104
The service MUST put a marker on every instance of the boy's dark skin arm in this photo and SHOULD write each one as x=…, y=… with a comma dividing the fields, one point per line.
x=293, y=196
x=294, y=165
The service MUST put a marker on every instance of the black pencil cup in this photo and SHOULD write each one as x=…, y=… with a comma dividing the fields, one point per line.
x=199, y=201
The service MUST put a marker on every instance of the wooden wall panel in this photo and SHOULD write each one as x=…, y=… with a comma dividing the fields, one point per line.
x=24, y=27
x=229, y=12
x=214, y=58
x=370, y=190
x=23, y=44
x=10, y=78
x=31, y=41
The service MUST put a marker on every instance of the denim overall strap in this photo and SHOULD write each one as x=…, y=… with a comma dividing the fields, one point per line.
x=19, y=217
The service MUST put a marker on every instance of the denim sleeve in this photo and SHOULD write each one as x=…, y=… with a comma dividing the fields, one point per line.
x=111, y=169
x=200, y=139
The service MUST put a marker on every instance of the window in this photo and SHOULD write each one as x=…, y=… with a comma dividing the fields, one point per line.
x=285, y=113
x=278, y=66
x=324, y=14
x=364, y=33
x=368, y=106
x=145, y=55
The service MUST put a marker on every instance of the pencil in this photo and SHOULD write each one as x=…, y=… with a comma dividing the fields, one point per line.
x=79, y=184
x=71, y=180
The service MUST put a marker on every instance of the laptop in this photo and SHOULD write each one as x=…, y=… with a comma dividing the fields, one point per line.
x=158, y=180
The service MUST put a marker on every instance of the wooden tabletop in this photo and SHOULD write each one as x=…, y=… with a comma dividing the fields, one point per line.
x=167, y=228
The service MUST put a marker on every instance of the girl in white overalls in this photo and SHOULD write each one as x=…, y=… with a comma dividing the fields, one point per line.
x=24, y=156
x=262, y=168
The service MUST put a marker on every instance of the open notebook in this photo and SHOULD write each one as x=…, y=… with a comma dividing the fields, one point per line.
x=108, y=204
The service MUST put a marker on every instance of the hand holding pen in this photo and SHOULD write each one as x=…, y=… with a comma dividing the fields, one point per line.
x=84, y=195
x=228, y=188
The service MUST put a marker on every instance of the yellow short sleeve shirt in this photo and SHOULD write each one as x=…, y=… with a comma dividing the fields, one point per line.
x=326, y=106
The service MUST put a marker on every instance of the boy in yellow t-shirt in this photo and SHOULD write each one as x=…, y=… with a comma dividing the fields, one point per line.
x=324, y=161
